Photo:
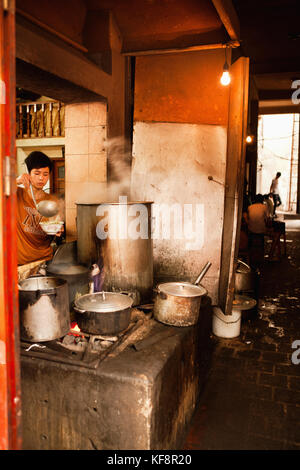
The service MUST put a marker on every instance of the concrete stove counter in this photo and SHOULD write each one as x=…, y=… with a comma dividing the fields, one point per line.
x=138, y=400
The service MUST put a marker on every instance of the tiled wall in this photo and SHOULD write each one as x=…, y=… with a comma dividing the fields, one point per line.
x=85, y=157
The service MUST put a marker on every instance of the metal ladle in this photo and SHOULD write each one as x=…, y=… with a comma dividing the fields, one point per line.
x=47, y=208
x=203, y=272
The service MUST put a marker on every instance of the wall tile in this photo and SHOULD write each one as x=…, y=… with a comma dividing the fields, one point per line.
x=97, y=137
x=71, y=230
x=76, y=168
x=93, y=192
x=76, y=141
x=97, y=114
x=76, y=115
x=97, y=170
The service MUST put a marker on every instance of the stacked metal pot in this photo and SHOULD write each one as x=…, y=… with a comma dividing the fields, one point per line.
x=127, y=265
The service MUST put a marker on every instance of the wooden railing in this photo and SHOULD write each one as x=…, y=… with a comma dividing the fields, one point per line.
x=36, y=120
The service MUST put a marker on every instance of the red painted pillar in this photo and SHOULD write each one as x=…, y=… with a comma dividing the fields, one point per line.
x=10, y=399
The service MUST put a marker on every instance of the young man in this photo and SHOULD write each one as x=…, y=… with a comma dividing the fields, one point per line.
x=274, y=190
x=257, y=217
x=33, y=243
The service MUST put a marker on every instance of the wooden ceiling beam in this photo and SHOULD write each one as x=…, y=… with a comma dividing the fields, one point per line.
x=60, y=60
x=275, y=94
x=281, y=66
x=229, y=18
x=51, y=30
x=200, y=47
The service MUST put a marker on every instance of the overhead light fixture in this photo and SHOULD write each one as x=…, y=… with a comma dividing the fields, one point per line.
x=225, y=79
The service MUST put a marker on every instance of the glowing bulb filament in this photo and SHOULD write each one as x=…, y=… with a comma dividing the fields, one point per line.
x=225, y=79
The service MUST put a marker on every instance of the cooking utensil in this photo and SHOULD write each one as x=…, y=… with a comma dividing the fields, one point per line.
x=105, y=313
x=178, y=303
x=46, y=208
x=244, y=278
x=44, y=308
x=203, y=272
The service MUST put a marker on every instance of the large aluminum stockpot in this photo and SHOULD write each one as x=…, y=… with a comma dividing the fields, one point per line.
x=178, y=303
x=44, y=308
x=103, y=313
x=127, y=258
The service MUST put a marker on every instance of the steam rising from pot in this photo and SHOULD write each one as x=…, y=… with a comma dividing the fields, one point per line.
x=118, y=166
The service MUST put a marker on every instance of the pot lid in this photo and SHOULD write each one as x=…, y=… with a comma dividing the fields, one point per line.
x=64, y=268
x=242, y=267
x=104, y=302
x=182, y=289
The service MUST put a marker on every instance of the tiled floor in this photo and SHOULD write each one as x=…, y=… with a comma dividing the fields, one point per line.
x=251, y=400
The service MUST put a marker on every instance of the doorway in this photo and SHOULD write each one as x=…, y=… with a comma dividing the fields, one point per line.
x=57, y=182
x=278, y=151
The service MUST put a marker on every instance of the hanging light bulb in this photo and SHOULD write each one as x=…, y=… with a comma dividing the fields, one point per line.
x=225, y=79
x=249, y=139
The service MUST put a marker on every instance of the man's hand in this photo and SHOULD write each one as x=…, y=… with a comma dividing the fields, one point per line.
x=24, y=179
x=59, y=234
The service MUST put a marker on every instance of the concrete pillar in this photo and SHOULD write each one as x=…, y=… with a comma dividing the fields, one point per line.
x=85, y=157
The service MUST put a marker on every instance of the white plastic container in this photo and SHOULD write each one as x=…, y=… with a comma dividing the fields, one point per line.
x=226, y=326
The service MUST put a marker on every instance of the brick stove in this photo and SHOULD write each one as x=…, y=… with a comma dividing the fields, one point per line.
x=119, y=393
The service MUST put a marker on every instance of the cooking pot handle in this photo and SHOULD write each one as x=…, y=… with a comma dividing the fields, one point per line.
x=161, y=294
x=239, y=261
x=78, y=310
x=39, y=293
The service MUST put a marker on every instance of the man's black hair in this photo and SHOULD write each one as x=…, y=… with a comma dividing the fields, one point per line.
x=278, y=174
x=38, y=160
x=259, y=199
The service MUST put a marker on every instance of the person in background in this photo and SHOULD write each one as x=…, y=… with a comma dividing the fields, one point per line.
x=274, y=190
x=256, y=218
x=270, y=205
x=33, y=243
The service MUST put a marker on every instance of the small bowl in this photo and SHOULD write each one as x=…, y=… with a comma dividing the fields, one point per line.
x=51, y=228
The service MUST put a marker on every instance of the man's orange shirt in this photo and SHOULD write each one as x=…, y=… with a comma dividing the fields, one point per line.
x=33, y=244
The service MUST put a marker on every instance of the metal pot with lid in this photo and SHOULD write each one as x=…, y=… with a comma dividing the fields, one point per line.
x=44, y=308
x=103, y=313
x=178, y=303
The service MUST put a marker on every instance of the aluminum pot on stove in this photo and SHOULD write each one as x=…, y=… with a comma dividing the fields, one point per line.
x=103, y=313
x=178, y=303
x=44, y=308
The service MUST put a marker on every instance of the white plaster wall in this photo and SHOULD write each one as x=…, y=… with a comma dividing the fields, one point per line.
x=171, y=164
